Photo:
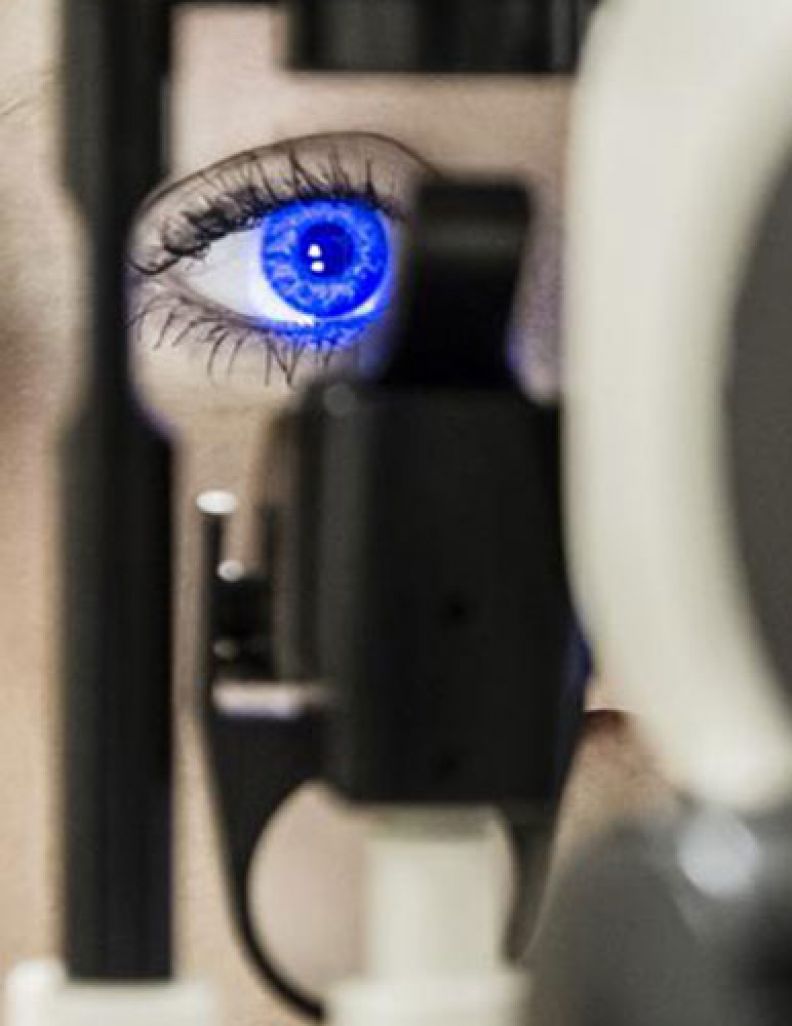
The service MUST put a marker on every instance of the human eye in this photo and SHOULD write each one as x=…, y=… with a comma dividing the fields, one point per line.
x=272, y=265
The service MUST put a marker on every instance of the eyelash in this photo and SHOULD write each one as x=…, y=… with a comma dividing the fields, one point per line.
x=236, y=196
x=220, y=331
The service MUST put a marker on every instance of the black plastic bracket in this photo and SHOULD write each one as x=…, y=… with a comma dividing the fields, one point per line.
x=445, y=620
x=264, y=737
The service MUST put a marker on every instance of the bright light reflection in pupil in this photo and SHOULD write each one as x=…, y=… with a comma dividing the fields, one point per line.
x=327, y=251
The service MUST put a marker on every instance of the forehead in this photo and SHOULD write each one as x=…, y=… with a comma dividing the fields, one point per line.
x=39, y=244
x=28, y=41
x=471, y=123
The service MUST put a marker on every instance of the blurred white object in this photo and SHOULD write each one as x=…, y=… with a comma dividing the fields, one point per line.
x=38, y=994
x=683, y=124
x=436, y=927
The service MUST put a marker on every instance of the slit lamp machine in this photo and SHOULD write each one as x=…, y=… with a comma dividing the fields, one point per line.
x=409, y=635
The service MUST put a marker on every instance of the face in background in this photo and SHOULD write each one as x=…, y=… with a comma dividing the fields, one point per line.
x=229, y=98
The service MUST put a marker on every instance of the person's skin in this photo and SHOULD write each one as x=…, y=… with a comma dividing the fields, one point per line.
x=229, y=98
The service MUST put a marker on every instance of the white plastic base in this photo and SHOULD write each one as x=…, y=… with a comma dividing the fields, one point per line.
x=492, y=1000
x=436, y=917
x=39, y=994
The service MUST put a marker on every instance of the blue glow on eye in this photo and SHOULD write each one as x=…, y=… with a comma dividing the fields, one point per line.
x=326, y=258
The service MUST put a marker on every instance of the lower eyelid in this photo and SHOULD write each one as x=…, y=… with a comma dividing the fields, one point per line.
x=160, y=319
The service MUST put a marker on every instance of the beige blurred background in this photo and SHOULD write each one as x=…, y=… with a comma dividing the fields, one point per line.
x=230, y=97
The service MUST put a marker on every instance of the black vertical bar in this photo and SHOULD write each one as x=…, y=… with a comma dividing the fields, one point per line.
x=117, y=524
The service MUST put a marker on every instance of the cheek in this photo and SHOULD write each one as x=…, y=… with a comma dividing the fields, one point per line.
x=186, y=385
x=614, y=776
x=37, y=328
x=40, y=255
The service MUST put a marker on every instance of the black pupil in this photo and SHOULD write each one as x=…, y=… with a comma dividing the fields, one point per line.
x=326, y=251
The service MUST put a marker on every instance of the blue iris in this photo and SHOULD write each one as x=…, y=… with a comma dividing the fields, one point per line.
x=326, y=258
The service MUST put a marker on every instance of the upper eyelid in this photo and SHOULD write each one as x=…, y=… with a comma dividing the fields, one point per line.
x=352, y=164
x=329, y=139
